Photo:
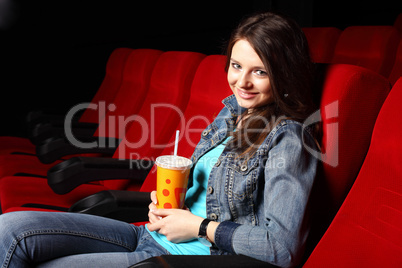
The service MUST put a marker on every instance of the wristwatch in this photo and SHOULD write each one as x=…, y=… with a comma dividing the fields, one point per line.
x=202, y=233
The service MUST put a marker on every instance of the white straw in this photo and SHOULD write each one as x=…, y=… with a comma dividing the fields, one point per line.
x=176, y=143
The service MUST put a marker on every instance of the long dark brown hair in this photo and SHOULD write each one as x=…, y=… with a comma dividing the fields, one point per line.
x=282, y=47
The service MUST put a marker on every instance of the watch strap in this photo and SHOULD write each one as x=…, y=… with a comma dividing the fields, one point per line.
x=203, y=228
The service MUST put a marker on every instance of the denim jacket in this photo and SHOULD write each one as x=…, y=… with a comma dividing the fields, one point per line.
x=261, y=204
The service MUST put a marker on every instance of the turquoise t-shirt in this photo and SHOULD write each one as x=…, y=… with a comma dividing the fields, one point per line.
x=196, y=201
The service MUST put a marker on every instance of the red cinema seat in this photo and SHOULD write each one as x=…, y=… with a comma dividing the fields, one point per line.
x=396, y=72
x=134, y=85
x=366, y=231
x=372, y=47
x=170, y=85
x=106, y=92
x=351, y=100
x=322, y=42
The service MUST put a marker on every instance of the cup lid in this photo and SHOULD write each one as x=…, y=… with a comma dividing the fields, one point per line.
x=173, y=162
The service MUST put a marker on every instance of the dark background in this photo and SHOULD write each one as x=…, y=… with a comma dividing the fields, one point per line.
x=53, y=53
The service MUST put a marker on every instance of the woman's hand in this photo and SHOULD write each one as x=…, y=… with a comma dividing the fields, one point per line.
x=177, y=225
x=152, y=207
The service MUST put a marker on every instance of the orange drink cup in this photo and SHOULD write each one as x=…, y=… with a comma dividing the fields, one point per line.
x=172, y=178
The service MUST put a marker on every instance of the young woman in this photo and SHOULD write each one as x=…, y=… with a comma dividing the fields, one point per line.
x=250, y=184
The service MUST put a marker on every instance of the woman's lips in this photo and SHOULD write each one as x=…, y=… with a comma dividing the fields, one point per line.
x=245, y=95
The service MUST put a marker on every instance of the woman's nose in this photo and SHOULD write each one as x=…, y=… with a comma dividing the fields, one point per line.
x=244, y=81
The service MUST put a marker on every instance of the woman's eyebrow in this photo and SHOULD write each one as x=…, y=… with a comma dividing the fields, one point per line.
x=254, y=67
x=259, y=67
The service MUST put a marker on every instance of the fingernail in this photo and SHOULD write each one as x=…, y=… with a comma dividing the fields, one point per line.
x=160, y=217
x=155, y=202
x=152, y=210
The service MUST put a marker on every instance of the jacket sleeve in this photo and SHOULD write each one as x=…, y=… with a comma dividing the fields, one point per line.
x=279, y=237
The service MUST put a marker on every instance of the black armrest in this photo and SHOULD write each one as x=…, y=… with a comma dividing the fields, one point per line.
x=196, y=261
x=64, y=177
x=55, y=148
x=45, y=130
x=120, y=205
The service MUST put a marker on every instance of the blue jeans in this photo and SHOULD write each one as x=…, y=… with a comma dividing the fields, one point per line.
x=50, y=239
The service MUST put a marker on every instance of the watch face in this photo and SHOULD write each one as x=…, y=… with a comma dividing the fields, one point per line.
x=204, y=242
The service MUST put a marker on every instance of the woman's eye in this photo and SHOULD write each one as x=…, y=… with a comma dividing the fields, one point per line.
x=236, y=66
x=260, y=73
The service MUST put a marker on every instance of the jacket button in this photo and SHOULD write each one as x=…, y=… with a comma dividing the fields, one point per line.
x=214, y=216
x=243, y=167
x=205, y=132
x=210, y=189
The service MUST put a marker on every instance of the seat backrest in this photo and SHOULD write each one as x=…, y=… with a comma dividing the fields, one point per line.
x=372, y=47
x=396, y=72
x=322, y=42
x=209, y=88
x=350, y=102
x=366, y=231
x=110, y=84
x=131, y=93
x=351, y=99
x=150, y=129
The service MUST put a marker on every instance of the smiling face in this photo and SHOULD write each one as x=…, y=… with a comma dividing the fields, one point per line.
x=248, y=77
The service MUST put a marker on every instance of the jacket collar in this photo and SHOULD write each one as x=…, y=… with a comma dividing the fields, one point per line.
x=234, y=108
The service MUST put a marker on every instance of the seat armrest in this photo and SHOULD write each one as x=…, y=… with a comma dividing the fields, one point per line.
x=53, y=149
x=45, y=130
x=197, y=261
x=120, y=205
x=69, y=174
